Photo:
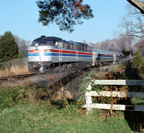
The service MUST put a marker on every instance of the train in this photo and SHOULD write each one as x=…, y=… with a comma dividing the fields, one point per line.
x=49, y=52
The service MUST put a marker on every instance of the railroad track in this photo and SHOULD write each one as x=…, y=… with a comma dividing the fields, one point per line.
x=23, y=76
x=15, y=77
x=42, y=79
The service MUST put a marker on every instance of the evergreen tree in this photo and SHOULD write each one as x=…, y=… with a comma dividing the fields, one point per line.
x=8, y=47
x=137, y=58
x=126, y=53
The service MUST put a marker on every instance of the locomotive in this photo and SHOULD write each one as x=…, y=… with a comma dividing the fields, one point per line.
x=49, y=52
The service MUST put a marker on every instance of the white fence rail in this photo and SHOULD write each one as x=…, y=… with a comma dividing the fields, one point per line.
x=88, y=96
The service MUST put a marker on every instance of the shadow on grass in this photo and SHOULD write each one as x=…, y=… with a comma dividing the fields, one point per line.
x=55, y=89
x=60, y=104
x=135, y=119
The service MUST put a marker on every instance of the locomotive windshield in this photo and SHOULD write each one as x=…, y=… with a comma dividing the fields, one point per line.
x=43, y=42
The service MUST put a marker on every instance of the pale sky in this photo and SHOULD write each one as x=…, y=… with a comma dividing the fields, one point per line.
x=20, y=17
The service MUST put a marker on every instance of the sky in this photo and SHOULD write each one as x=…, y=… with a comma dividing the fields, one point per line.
x=21, y=18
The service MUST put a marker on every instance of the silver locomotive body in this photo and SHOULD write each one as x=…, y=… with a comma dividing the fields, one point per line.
x=46, y=52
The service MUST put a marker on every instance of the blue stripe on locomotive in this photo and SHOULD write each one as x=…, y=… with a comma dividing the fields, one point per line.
x=33, y=54
x=57, y=54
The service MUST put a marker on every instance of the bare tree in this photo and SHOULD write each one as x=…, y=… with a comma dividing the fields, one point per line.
x=136, y=22
x=116, y=44
x=113, y=46
x=121, y=42
x=23, y=45
x=97, y=45
x=91, y=44
x=140, y=47
x=132, y=28
x=84, y=41
x=104, y=44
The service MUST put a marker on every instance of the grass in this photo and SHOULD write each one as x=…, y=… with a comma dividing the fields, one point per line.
x=31, y=114
x=137, y=101
x=38, y=118
x=30, y=109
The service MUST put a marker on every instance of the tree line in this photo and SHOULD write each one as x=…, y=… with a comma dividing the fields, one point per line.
x=117, y=45
x=129, y=34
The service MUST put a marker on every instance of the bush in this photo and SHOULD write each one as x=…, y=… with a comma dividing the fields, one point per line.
x=9, y=97
x=137, y=59
x=126, y=53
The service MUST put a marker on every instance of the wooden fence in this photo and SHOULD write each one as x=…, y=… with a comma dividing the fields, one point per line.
x=88, y=96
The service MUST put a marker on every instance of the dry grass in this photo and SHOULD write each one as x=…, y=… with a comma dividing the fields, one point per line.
x=19, y=69
x=14, y=70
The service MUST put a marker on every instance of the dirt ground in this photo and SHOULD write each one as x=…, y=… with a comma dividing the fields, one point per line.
x=14, y=70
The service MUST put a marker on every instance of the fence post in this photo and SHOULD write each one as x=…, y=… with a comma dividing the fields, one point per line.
x=114, y=55
x=88, y=99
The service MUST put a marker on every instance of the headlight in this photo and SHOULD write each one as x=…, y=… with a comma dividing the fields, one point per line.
x=36, y=44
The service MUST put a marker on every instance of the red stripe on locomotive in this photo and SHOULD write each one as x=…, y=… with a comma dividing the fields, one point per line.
x=35, y=51
x=68, y=52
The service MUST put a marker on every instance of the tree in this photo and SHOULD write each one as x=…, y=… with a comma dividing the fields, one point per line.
x=121, y=41
x=104, y=44
x=23, y=45
x=8, y=47
x=126, y=52
x=65, y=13
x=84, y=41
x=94, y=45
x=135, y=21
x=132, y=25
x=137, y=58
x=140, y=46
x=20, y=59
